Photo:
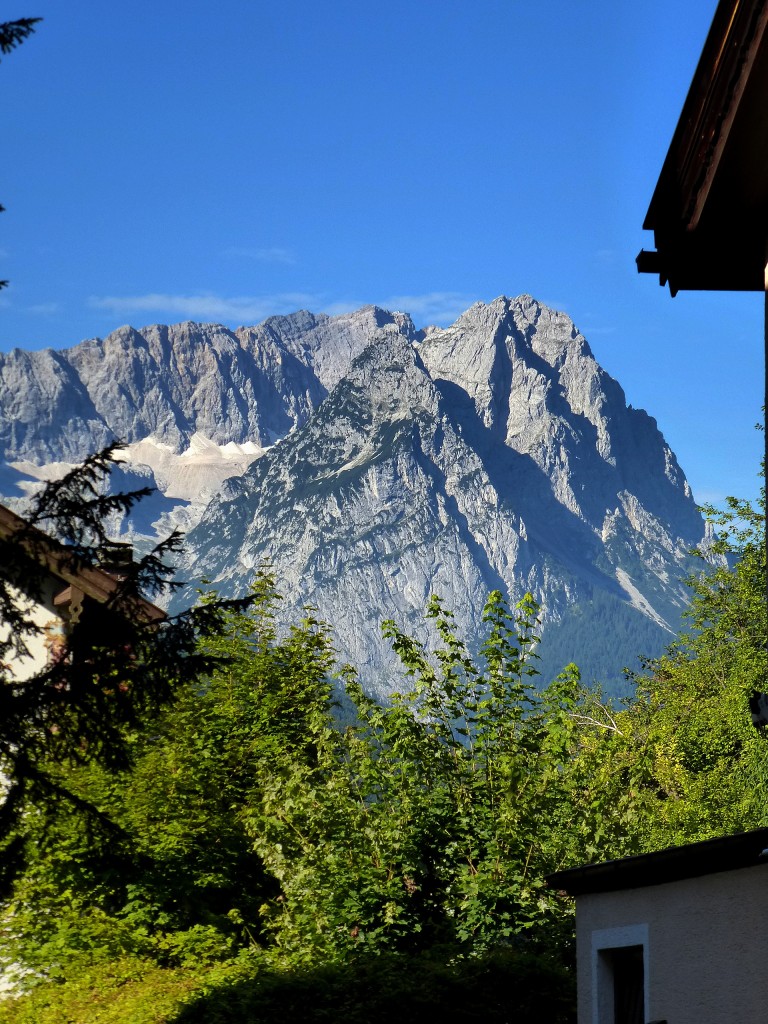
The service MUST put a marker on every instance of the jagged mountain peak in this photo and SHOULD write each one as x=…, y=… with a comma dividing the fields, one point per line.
x=549, y=333
x=466, y=463
x=373, y=463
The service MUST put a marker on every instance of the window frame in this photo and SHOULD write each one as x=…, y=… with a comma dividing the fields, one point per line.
x=604, y=940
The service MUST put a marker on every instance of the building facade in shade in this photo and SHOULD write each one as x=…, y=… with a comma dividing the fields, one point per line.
x=709, y=211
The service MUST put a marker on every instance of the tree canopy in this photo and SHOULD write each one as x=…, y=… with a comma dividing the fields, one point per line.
x=261, y=847
x=13, y=33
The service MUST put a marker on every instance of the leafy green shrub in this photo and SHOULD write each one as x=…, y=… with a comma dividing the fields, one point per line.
x=127, y=990
x=503, y=986
x=258, y=860
x=433, y=819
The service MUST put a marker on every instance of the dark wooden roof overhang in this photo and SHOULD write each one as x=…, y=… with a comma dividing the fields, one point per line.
x=709, y=212
x=85, y=580
x=725, y=853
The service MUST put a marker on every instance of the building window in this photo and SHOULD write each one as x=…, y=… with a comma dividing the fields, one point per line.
x=620, y=975
x=626, y=973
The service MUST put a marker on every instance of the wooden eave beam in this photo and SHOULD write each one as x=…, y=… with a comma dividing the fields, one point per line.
x=709, y=211
x=95, y=583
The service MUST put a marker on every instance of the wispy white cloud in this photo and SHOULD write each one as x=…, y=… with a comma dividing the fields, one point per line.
x=9, y=299
x=207, y=306
x=593, y=330
x=707, y=495
x=275, y=254
x=340, y=307
x=44, y=308
x=440, y=308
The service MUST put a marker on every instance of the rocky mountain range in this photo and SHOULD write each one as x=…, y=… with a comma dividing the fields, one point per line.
x=372, y=464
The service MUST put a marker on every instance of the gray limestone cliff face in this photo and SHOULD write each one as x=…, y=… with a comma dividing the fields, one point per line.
x=328, y=345
x=372, y=465
x=371, y=506
x=45, y=409
x=494, y=455
x=535, y=384
x=254, y=384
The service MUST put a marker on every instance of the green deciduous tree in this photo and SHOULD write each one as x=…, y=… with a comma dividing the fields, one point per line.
x=682, y=761
x=175, y=876
x=710, y=763
x=433, y=819
x=248, y=819
x=247, y=815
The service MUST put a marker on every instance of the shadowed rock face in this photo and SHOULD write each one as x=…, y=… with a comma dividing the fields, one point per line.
x=495, y=454
x=372, y=465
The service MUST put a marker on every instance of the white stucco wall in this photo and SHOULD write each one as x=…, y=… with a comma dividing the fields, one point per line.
x=706, y=951
x=42, y=612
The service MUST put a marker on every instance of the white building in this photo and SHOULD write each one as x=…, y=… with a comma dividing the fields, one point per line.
x=679, y=936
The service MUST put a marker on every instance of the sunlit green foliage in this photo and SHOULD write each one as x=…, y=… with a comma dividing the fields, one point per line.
x=681, y=760
x=709, y=763
x=172, y=872
x=267, y=854
x=433, y=819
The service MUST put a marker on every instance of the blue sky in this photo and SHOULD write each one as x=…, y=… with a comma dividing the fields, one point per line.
x=224, y=162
